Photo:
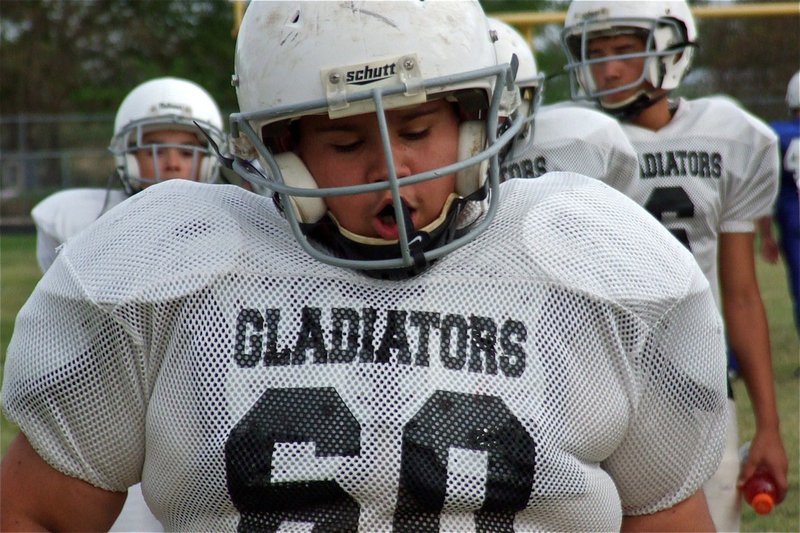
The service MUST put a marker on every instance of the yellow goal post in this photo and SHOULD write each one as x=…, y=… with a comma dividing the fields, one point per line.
x=525, y=22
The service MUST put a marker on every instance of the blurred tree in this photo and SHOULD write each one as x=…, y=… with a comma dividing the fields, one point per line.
x=749, y=58
x=68, y=56
x=84, y=55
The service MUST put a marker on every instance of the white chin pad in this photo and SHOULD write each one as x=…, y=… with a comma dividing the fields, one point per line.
x=471, y=141
x=295, y=174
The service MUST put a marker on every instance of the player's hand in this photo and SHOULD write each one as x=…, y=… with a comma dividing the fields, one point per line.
x=767, y=453
x=769, y=250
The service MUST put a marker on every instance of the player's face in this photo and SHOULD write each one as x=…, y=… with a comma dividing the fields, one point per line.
x=172, y=162
x=349, y=151
x=614, y=73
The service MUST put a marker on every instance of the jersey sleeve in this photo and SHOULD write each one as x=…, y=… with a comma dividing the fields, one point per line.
x=67, y=353
x=92, y=337
x=47, y=238
x=751, y=195
x=64, y=214
x=676, y=436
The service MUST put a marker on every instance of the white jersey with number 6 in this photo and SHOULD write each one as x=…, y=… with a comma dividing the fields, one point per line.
x=713, y=169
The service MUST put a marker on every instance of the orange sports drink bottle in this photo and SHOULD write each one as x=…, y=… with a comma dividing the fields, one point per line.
x=759, y=492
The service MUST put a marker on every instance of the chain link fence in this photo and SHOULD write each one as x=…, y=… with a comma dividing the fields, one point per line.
x=41, y=154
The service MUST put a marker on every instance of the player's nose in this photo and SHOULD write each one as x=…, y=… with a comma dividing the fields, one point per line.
x=172, y=159
x=379, y=164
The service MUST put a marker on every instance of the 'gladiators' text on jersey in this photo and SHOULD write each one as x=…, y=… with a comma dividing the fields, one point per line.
x=689, y=163
x=349, y=335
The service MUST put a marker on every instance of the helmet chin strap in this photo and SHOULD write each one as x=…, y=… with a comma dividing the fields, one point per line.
x=633, y=106
x=349, y=245
x=415, y=239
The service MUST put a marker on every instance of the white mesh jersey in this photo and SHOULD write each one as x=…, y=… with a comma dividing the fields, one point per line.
x=562, y=368
x=573, y=138
x=713, y=169
x=65, y=213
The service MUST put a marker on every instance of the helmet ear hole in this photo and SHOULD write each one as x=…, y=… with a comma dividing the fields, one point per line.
x=471, y=140
x=295, y=174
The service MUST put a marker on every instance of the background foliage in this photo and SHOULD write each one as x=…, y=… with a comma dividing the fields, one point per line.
x=69, y=56
x=84, y=55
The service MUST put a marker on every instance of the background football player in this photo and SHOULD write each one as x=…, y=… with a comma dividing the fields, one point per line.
x=708, y=172
x=154, y=140
x=787, y=206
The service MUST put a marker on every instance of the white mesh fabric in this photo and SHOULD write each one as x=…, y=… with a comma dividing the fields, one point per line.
x=571, y=138
x=713, y=169
x=564, y=366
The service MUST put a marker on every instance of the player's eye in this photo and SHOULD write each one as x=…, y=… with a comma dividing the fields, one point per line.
x=416, y=134
x=595, y=54
x=346, y=147
x=627, y=49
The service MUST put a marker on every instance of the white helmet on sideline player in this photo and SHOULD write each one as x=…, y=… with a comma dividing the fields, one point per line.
x=667, y=28
x=793, y=92
x=351, y=58
x=165, y=104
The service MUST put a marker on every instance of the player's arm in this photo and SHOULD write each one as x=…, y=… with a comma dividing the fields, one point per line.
x=689, y=515
x=748, y=335
x=36, y=497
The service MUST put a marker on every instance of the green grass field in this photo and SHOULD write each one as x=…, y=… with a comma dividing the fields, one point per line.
x=19, y=273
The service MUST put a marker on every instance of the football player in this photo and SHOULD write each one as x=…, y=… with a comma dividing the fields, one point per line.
x=155, y=139
x=560, y=137
x=404, y=344
x=787, y=206
x=708, y=172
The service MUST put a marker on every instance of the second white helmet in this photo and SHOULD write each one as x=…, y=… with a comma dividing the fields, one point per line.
x=509, y=43
x=165, y=104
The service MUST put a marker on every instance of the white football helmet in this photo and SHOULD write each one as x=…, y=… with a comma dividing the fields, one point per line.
x=165, y=104
x=793, y=92
x=669, y=32
x=297, y=58
x=529, y=81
